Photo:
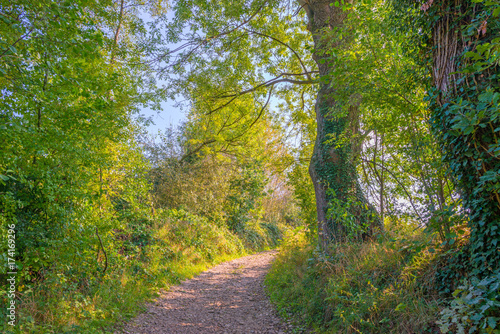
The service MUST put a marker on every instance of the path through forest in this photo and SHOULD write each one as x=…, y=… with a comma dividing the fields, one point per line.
x=228, y=298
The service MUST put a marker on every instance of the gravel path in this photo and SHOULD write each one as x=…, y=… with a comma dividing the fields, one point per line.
x=228, y=298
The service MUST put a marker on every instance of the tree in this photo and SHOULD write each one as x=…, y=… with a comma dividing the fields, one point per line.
x=237, y=56
x=66, y=128
x=460, y=47
x=333, y=164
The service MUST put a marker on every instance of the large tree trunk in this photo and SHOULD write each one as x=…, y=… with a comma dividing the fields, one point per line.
x=332, y=168
x=468, y=150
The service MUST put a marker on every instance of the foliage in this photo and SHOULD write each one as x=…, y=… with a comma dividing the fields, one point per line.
x=474, y=308
x=223, y=70
x=245, y=191
x=279, y=204
x=67, y=146
x=238, y=58
x=230, y=193
x=399, y=164
x=300, y=180
x=464, y=104
x=355, y=224
x=472, y=144
x=199, y=187
x=103, y=219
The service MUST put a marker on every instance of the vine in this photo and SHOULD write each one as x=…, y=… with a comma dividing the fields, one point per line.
x=349, y=215
x=460, y=45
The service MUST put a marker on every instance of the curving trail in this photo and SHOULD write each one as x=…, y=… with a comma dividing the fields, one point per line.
x=228, y=298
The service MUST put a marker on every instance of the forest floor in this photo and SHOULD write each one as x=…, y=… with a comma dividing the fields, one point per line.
x=229, y=298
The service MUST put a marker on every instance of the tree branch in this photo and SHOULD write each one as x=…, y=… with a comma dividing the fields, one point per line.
x=306, y=71
x=270, y=83
x=210, y=141
x=117, y=32
x=396, y=179
x=19, y=39
x=200, y=42
x=104, y=251
x=207, y=142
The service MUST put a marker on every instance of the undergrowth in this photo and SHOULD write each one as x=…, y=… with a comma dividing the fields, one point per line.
x=380, y=286
x=172, y=247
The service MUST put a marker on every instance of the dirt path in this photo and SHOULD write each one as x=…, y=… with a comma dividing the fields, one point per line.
x=228, y=298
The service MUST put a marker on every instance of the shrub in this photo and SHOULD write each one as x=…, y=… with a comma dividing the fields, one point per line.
x=475, y=308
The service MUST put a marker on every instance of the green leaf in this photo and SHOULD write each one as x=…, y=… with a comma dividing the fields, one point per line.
x=492, y=322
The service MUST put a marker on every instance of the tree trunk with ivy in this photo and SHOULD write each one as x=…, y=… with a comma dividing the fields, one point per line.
x=332, y=167
x=465, y=104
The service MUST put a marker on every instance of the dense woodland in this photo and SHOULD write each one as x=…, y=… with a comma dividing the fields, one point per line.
x=361, y=136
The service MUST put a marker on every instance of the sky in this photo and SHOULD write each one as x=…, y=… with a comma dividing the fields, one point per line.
x=169, y=116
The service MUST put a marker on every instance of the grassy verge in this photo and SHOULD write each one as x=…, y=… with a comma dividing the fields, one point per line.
x=85, y=299
x=382, y=286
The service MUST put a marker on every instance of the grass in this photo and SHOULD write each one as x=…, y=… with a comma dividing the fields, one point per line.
x=380, y=286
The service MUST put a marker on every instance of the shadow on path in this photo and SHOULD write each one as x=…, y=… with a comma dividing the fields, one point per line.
x=228, y=298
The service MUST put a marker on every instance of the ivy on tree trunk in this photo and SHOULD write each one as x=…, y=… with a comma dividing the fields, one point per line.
x=333, y=164
x=459, y=44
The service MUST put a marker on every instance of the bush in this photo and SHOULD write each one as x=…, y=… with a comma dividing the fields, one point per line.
x=474, y=309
